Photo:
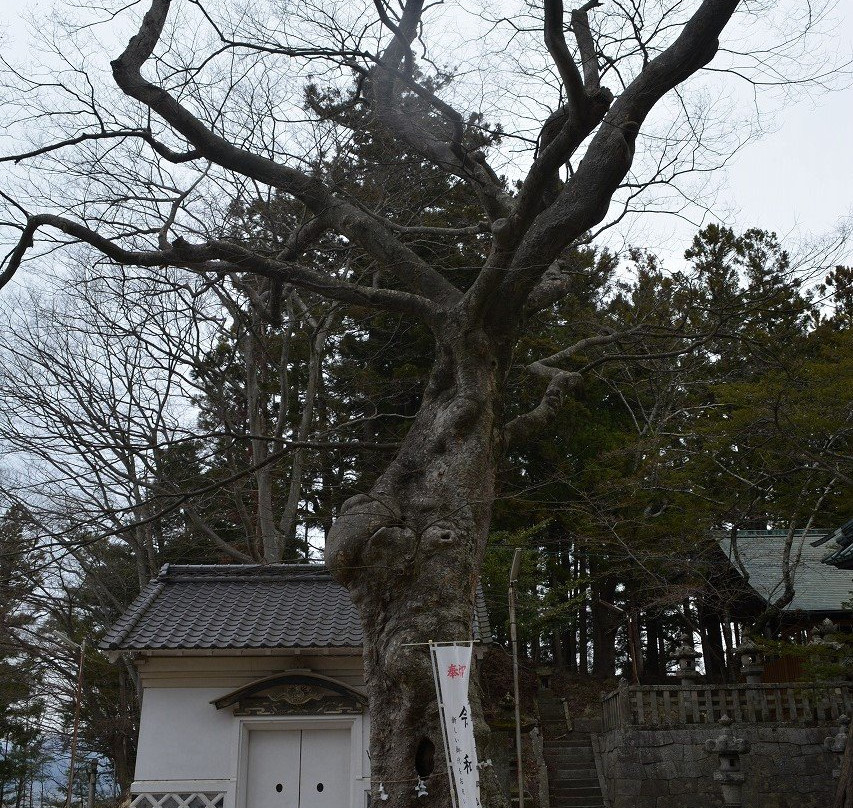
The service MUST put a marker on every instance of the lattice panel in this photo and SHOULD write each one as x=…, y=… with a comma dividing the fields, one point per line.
x=193, y=800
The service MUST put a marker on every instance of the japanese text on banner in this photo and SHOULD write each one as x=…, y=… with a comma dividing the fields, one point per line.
x=453, y=665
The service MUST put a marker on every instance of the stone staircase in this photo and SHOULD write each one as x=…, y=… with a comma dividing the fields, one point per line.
x=572, y=778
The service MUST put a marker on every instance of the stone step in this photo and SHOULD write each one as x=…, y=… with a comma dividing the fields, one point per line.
x=564, y=747
x=560, y=728
x=572, y=777
x=577, y=754
x=555, y=767
x=564, y=773
x=569, y=765
x=564, y=727
x=561, y=784
x=590, y=724
x=577, y=791
x=568, y=748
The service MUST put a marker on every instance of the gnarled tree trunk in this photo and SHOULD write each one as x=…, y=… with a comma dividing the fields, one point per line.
x=409, y=552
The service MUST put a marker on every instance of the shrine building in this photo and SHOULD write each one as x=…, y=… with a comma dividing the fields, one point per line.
x=253, y=689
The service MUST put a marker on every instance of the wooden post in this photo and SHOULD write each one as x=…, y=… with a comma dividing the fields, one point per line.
x=513, y=580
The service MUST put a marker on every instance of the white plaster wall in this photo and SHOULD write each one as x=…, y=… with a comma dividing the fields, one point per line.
x=187, y=745
x=184, y=737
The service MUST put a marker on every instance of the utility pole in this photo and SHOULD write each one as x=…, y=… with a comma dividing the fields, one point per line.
x=513, y=581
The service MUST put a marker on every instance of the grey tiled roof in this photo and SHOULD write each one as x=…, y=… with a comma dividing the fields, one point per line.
x=818, y=587
x=244, y=606
x=841, y=554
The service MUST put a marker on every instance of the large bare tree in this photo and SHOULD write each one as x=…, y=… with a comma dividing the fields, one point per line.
x=200, y=101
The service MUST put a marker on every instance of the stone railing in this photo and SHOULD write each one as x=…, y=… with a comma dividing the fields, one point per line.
x=652, y=706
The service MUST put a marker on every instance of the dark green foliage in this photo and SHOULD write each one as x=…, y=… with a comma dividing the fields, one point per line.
x=22, y=702
x=750, y=426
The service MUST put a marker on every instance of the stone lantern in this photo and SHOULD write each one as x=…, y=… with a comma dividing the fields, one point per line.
x=751, y=662
x=686, y=656
x=821, y=633
x=838, y=743
x=729, y=774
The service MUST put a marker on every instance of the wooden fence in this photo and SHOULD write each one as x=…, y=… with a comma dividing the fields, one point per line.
x=653, y=706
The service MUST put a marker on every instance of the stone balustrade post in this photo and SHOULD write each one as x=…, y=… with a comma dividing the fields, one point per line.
x=538, y=743
x=838, y=743
x=729, y=774
x=624, y=707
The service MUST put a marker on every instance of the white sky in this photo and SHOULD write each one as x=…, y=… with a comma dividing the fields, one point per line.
x=800, y=177
x=796, y=180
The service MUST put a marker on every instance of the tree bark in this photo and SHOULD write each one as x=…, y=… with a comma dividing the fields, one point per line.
x=635, y=645
x=605, y=623
x=288, y=523
x=653, y=668
x=256, y=405
x=710, y=631
x=583, y=622
x=409, y=551
x=559, y=654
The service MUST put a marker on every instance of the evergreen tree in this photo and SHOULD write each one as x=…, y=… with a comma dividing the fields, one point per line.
x=22, y=703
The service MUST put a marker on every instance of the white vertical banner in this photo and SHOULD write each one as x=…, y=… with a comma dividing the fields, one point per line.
x=452, y=668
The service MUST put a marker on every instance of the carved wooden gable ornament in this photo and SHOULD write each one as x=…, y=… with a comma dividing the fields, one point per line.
x=301, y=693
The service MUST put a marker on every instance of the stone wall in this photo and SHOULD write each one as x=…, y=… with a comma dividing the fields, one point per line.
x=500, y=749
x=787, y=767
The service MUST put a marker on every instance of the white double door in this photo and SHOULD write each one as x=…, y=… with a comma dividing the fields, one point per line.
x=300, y=768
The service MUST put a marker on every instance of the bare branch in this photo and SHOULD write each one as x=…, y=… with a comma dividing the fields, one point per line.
x=366, y=231
x=586, y=45
x=584, y=200
x=554, y=285
x=446, y=152
x=544, y=367
x=527, y=426
x=555, y=41
x=161, y=149
x=224, y=256
x=214, y=537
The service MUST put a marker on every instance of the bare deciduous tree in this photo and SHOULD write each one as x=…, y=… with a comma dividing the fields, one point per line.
x=202, y=103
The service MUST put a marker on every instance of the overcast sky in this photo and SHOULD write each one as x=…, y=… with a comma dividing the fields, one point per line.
x=800, y=177
x=796, y=180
